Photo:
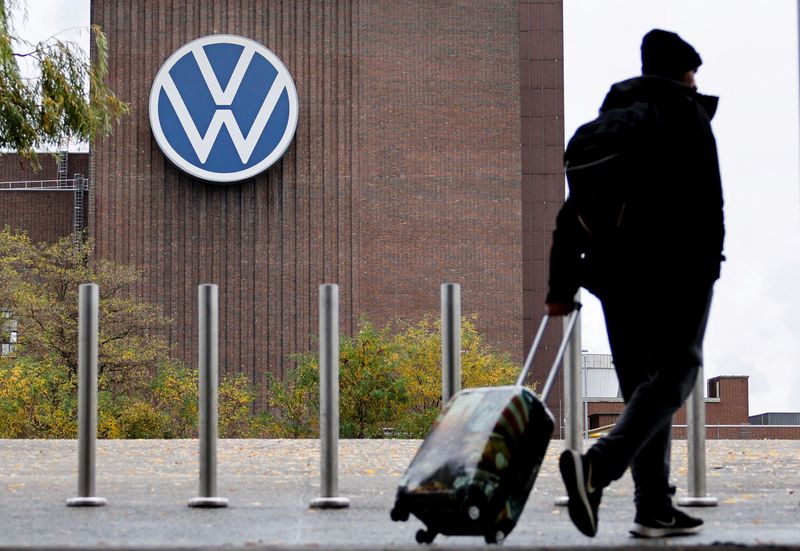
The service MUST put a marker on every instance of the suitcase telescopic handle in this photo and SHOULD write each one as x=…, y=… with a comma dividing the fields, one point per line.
x=548, y=385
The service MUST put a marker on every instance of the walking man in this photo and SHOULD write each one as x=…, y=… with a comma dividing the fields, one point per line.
x=654, y=278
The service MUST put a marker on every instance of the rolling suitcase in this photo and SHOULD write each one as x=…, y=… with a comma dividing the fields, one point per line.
x=474, y=471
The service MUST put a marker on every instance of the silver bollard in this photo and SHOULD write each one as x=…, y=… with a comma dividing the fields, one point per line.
x=329, y=399
x=573, y=391
x=88, y=327
x=696, y=443
x=208, y=359
x=451, y=340
x=573, y=395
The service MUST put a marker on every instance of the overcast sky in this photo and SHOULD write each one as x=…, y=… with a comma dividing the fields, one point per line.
x=750, y=59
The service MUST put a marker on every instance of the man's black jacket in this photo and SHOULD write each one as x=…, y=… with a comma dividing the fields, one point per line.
x=673, y=229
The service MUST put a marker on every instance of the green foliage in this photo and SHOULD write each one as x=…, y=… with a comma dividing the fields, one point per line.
x=39, y=284
x=389, y=383
x=175, y=393
x=296, y=401
x=68, y=99
x=140, y=419
x=389, y=379
x=142, y=392
x=370, y=388
x=37, y=399
x=235, y=404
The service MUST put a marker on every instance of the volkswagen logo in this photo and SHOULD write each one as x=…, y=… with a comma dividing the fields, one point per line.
x=223, y=108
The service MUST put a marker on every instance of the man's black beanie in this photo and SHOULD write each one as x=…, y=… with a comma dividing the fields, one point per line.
x=667, y=55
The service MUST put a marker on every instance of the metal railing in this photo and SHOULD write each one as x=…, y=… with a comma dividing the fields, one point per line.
x=43, y=185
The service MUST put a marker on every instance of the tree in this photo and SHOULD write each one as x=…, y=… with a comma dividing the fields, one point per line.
x=142, y=391
x=39, y=285
x=68, y=99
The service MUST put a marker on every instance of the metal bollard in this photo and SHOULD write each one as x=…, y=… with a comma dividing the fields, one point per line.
x=696, y=443
x=573, y=395
x=88, y=326
x=451, y=340
x=208, y=339
x=329, y=399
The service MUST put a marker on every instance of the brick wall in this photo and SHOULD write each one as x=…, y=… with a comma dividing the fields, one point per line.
x=541, y=53
x=14, y=168
x=269, y=242
x=405, y=172
x=439, y=162
x=733, y=405
x=45, y=215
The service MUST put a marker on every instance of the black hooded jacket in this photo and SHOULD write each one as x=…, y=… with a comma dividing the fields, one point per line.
x=673, y=230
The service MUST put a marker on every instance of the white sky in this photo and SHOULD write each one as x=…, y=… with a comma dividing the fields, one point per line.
x=750, y=59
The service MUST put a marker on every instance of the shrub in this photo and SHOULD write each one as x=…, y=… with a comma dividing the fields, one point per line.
x=175, y=393
x=293, y=403
x=139, y=419
x=37, y=400
x=389, y=384
x=417, y=349
x=235, y=404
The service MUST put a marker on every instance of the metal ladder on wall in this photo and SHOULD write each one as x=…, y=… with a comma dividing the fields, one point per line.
x=79, y=192
x=78, y=222
x=63, y=166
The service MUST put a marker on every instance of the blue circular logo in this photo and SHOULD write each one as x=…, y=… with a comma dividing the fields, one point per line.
x=223, y=108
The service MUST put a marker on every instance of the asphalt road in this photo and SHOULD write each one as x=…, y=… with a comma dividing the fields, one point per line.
x=270, y=484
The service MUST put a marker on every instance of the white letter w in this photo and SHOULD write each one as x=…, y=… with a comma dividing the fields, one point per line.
x=224, y=117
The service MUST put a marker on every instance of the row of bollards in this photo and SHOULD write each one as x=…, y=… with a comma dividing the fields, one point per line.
x=208, y=343
x=208, y=360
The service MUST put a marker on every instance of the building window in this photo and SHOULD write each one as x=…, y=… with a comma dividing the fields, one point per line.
x=8, y=332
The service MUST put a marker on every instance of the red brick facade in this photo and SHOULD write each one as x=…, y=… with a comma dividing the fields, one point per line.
x=14, y=168
x=541, y=60
x=406, y=170
x=45, y=215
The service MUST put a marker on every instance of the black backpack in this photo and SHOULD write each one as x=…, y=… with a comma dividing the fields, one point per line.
x=605, y=161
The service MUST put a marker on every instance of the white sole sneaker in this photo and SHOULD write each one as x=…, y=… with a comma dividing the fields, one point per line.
x=642, y=531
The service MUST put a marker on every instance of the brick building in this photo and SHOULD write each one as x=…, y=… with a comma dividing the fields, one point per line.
x=726, y=402
x=428, y=150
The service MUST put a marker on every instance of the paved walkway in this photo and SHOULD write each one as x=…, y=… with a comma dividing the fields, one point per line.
x=270, y=482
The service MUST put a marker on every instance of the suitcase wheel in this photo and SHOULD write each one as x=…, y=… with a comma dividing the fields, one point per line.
x=498, y=533
x=425, y=536
x=399, y=513
x=495, y=536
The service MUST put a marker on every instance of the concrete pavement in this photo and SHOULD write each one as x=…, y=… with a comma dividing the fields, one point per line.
x=270, y=483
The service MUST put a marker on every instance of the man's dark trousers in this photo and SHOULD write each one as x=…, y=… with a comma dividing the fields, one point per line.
x=657, y=345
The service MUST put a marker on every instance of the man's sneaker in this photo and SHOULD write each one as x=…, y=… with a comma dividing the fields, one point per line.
x=584, y=499
x=671, y=522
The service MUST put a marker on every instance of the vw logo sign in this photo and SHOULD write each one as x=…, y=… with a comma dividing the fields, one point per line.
x=223, y=108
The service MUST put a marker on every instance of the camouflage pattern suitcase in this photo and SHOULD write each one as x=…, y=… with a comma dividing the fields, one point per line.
x=474, y=471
